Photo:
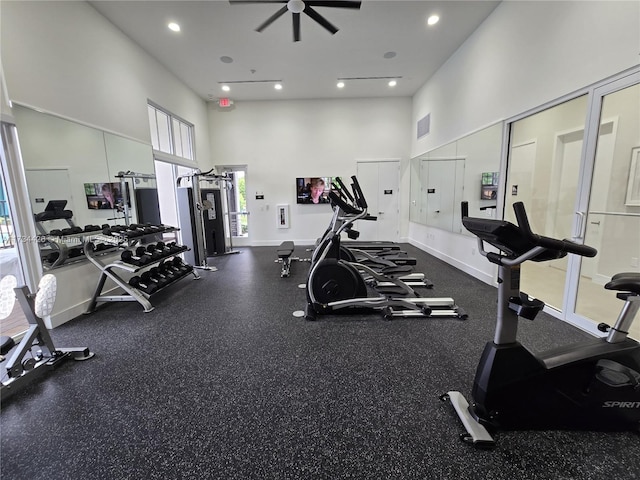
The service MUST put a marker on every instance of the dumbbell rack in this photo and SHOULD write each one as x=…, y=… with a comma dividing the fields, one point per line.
x=113, y=269
x=60, y=244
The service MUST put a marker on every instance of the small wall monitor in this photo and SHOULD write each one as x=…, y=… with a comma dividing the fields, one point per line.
x=103, y=196
x=313, y=190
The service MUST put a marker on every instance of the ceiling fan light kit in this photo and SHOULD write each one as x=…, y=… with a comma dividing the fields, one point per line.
x=296, y=7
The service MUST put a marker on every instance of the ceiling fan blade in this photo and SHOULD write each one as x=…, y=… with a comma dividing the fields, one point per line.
x=272, y=19
x=329, y=3
x=319, y=18
x=296, y=27
x=257, y=1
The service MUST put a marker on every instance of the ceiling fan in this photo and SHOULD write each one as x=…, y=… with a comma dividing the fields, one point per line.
x=296, y=7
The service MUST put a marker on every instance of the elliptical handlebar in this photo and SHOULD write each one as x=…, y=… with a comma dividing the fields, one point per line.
x=344, y=206
x=357, y=191
x=342, y=188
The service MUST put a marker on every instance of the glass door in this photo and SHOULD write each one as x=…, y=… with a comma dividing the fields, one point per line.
x=575, y=167
x=611, y=206
x=544, y=163
x=236, y=198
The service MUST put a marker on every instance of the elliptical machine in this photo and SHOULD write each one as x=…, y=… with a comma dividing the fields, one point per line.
x=336, y=285
x=591, y=385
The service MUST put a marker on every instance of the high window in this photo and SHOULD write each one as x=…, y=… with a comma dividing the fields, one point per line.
x=170, y=134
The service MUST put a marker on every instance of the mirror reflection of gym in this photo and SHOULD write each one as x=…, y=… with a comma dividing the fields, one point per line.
x=443, y=177
x=72, y=178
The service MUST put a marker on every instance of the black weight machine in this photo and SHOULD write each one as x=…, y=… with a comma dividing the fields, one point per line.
x=591, y=385
x=36, y=353
x=146, y=199
x=202, y=217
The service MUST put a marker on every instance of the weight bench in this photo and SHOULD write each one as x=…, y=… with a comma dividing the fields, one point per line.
x=284, y=256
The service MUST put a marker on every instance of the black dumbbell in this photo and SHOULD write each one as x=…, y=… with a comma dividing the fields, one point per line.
x=55, y=232
x=52, y=257
x=167, y=268
x=153, y=252
x=183, y=267
x=174, y=247
x=138, y=260
x=137, y=282
x=142, y=252
x=164, y=273
x=75, y=252
x=148, y=278
x=91, y=228
x=159, y=248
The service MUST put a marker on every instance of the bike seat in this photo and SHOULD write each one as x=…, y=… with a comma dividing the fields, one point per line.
x=625, y=282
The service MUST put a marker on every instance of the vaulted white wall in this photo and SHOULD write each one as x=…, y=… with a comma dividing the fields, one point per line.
x=524, y=55
x=66, y=58
x=282, y=140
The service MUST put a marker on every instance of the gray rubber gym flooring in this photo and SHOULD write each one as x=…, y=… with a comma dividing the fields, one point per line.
x=220, y=381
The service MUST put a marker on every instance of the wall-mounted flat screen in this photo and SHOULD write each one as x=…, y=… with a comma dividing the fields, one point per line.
x=104, y=196
x=313, y=190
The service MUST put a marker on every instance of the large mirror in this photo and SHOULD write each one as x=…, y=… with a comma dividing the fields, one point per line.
x=466, y=169
x=72, y=173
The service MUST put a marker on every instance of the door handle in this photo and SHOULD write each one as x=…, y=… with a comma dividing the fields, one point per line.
x=579, y=225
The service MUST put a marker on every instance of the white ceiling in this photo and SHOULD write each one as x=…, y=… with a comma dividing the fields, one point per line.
x=308, y=68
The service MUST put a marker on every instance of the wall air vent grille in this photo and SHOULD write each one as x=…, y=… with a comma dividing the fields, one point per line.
x=424, y=125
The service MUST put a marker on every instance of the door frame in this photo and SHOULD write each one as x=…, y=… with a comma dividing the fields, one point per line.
x=579, y=227
x=595, y=94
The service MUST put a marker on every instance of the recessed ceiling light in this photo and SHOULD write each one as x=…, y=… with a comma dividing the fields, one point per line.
x=226, y=59
x=389, y=55
x=174, y=26
x=277, y=86
x=392, y=83
x=226, y=88
x=433, y=19
x=340, y=85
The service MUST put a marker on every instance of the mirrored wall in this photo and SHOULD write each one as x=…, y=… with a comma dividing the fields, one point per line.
x=464, y=170
x=72, y=177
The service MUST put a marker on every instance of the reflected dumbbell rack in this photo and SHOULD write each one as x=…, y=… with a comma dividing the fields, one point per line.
x=152, y=266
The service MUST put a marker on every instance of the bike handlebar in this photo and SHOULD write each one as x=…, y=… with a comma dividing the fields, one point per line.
x=548, y=242
x=523, y=235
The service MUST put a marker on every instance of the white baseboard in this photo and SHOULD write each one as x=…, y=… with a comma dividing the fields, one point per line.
x=474, y=272
x=73, y=311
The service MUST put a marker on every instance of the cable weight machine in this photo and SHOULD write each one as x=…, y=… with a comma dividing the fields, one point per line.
x=122, y=177
x=201, y=213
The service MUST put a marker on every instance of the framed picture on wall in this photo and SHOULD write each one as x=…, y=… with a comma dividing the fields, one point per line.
x=283, y=216
x=633, y=187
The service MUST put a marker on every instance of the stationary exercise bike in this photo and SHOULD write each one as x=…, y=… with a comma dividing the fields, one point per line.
x=591, y=385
